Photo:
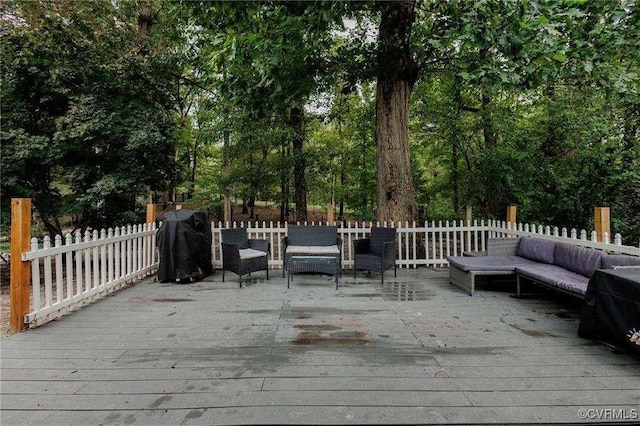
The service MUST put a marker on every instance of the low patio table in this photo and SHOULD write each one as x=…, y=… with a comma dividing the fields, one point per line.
x=313, y=264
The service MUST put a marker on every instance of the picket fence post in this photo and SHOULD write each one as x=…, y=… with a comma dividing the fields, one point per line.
x=20, y=274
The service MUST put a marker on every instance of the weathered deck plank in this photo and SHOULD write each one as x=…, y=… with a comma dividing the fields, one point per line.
x=213, y=353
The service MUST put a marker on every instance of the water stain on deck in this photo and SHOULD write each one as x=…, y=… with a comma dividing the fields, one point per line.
x=339, y=338
x=172, y=300
x=349, y=332
x=309, y=312
x=158, y=402
x=405, y=292
x=193, y=414
x=361, y=295
x=317, y=328
x=532, y=333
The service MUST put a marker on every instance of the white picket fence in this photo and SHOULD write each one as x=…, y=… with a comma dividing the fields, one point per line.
x=81, y=269
x=427, y=245
x=423, y=245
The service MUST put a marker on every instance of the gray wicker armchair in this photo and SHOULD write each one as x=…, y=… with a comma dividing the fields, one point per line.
x=377, y=253
x=242, y=255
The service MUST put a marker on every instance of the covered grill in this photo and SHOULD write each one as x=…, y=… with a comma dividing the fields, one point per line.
x=184, y=241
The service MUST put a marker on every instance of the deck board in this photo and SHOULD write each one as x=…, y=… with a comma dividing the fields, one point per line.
x=214, y=353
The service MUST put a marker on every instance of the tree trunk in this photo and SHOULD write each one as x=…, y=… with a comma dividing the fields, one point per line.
x=455, y=142
x=299, y=164
x=194, y=167
x=145, y=21
x=629, y=140
x=284, y=182
x=396, y=74
x=226, y=171
x=488, y=131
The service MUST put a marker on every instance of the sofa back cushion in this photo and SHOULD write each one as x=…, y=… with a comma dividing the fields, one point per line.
x=611, y=260
x=537, y=249
x=302, y=235
x=581, y=260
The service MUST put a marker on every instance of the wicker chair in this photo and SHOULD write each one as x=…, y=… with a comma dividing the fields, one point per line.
x=377, y=253
x=242, y=255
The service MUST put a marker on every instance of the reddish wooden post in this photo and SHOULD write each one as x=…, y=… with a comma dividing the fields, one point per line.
x=330, y=214
x=20, y=271
x=511, y=215
x=151, y=213
x=602, y=222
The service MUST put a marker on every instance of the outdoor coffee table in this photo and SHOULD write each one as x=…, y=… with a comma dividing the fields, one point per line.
x=315, y=264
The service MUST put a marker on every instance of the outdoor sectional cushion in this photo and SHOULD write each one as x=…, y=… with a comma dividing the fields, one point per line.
x=581, y=260
x=611, y=260
x=537, y=249
x=489, y=263
x=555, y=276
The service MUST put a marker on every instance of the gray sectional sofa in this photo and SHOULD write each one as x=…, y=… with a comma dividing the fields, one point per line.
x=560, y=266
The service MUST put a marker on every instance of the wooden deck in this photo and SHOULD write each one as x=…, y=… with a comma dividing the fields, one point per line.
x=416, y=351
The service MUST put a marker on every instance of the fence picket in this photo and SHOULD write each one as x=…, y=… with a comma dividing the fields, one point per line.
x=69, y=260
x=78, y=256
x=35, y=276
x=48, y=279
x=59, y=277
x=110, y=259
x=96, y=262
x=87, y=263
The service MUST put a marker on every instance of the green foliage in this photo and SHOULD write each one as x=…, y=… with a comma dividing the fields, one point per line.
x=85, y=123
x=533, y=103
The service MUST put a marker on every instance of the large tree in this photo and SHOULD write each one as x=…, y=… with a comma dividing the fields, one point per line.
x=397, y=73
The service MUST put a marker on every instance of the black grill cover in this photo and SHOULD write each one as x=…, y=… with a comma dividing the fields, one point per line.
x=611, y=310
x=184, y=241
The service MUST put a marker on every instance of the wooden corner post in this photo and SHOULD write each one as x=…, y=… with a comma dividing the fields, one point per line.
x=511, y=214
x=20, y=271
x=602, y=222
x=468, y=213
x=151, y=213
x=330, y=214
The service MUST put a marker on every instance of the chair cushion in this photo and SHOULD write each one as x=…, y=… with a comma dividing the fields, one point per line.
x=251, y=254
x=488, y=263
x=537, y=249
x=313, y=249
x=611, y=260
x=581, y=260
